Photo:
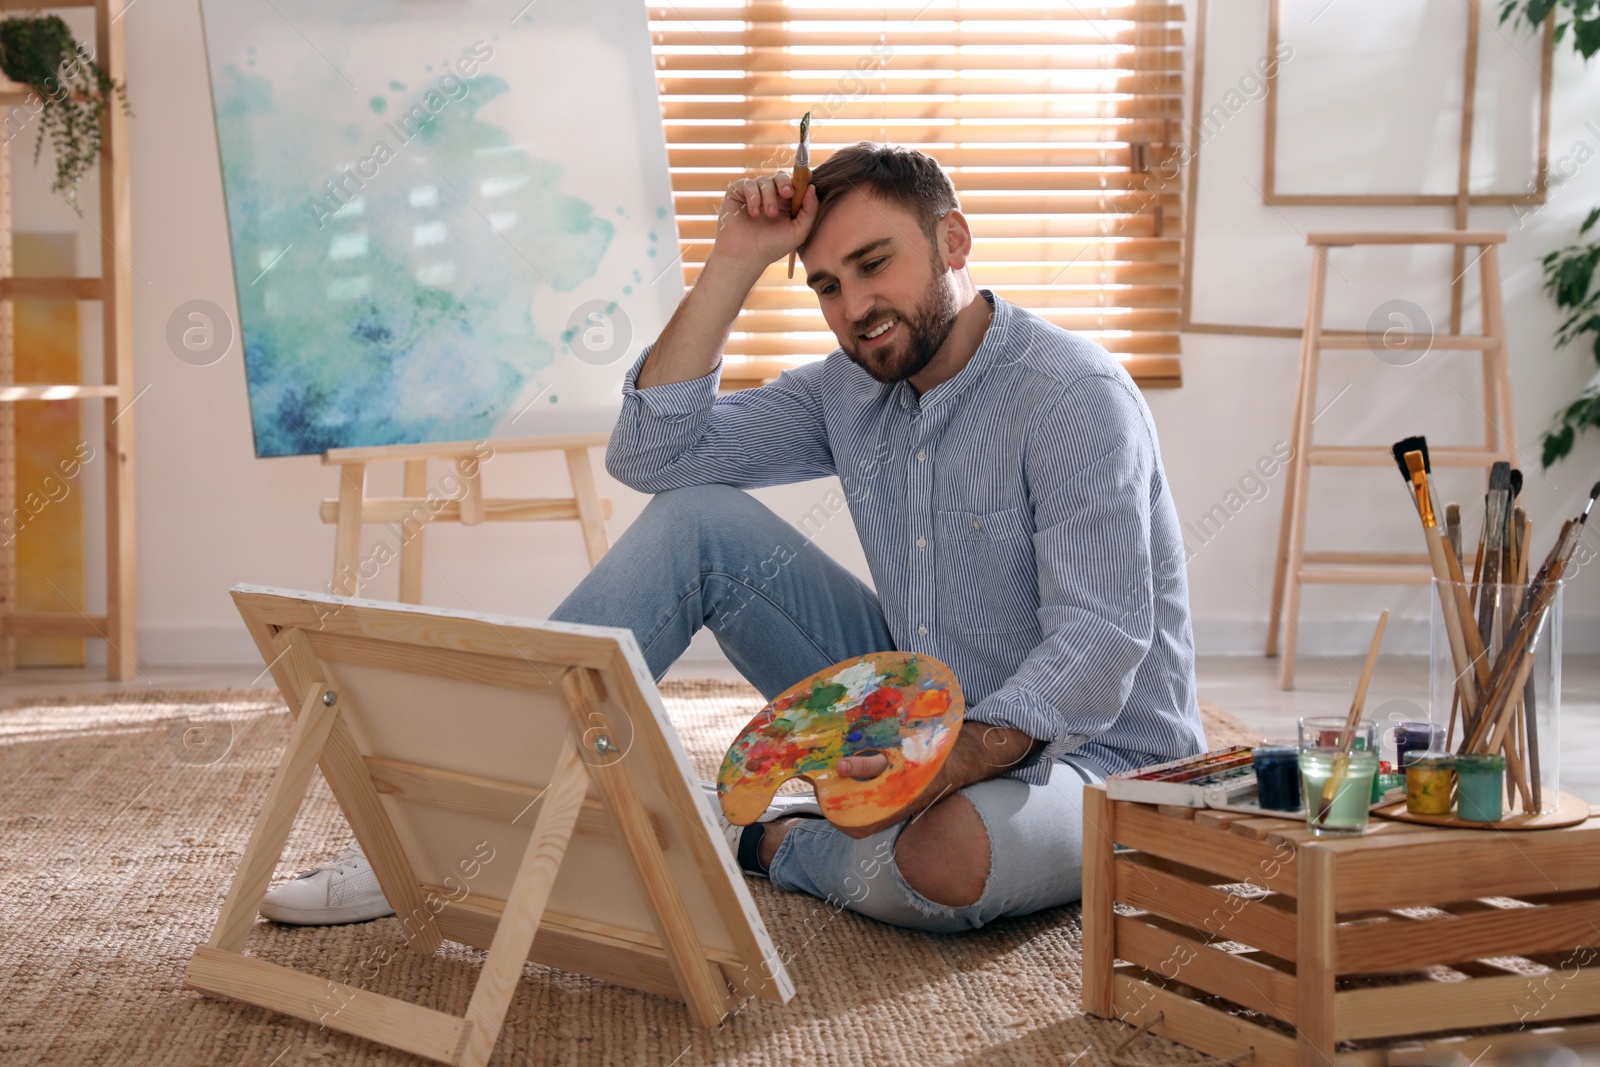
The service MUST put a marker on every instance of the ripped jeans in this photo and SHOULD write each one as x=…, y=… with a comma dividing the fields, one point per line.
x=781, y=609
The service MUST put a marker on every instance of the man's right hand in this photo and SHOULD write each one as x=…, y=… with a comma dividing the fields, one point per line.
x=754, y=230
x=753, y=224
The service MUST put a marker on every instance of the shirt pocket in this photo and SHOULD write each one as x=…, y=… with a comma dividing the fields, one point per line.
x=987, y=578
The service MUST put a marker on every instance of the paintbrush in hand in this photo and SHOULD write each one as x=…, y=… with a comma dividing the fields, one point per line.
x=801, y=175
x=1347, y=740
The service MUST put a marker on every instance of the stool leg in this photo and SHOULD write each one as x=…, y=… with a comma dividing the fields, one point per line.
x=1310, y=358
x=1281, y=565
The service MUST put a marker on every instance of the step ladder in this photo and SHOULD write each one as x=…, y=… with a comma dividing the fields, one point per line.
x=114, y=287
x=1295, y=566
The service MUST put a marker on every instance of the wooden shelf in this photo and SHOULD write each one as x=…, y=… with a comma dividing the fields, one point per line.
x=114, y=286
x=10, y=394
x=46, y=288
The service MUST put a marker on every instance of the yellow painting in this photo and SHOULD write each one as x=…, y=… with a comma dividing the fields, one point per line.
x=46, y=523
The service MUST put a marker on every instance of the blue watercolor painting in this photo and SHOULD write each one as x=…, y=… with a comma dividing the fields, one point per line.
x=418, y=224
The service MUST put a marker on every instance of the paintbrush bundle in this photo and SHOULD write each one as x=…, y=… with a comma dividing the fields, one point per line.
x=1493, y=622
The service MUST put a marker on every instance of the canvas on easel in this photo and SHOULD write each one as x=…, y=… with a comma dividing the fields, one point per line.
x=518, y=787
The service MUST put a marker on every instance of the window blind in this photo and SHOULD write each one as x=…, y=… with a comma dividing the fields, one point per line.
x=1058, y=124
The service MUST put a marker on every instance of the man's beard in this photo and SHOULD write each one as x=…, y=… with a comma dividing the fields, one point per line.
x=925, y=331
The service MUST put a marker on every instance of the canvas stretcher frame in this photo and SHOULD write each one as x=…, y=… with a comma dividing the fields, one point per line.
x=622, y=876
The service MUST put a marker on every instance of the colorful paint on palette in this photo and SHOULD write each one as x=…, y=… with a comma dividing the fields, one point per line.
x=906, y=706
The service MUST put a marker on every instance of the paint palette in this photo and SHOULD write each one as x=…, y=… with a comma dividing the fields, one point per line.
x=905, y=706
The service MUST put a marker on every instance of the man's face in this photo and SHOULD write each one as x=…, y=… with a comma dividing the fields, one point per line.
x=871, y=266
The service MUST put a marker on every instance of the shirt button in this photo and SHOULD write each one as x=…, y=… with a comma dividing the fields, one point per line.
x=922, y=629
x=976, y=525
x=921, y=454
x=922, y=542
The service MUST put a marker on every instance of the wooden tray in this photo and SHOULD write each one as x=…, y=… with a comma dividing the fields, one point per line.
x=1569, y=812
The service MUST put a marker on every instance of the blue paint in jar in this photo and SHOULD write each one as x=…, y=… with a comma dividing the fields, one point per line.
x=1277, y=770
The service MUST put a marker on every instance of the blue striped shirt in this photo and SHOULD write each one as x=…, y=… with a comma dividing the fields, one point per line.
x=1015, y=518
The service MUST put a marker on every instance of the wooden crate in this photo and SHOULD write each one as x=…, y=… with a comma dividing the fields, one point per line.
x=1399, y=946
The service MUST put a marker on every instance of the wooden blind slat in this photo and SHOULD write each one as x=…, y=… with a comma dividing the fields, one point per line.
x=1056, y=57
x=766, y=11
x=1089, y=227
x=915, y=132
x=1079, y=318
x=1060, y=180
x=980, y=202
x=713, y=36
x=1076, y=106
x=1114, y=341
x=1058, y=124
x=1105, y=155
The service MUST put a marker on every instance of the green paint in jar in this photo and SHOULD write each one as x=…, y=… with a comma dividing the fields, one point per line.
x=1480, y=786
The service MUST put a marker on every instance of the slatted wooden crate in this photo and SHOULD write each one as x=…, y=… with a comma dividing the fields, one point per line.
x=1399, y=946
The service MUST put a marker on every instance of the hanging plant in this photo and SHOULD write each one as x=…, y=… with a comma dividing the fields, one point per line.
x=41, y=53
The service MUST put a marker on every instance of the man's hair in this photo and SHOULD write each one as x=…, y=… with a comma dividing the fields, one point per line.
x=911, y=178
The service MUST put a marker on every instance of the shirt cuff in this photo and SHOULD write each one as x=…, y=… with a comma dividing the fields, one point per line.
x=672, y=400
x=1019, y=711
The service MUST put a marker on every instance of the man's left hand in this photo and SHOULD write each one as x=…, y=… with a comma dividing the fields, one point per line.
x=980, y=752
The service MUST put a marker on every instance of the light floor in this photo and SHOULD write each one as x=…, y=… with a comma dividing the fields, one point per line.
x=1246, y=686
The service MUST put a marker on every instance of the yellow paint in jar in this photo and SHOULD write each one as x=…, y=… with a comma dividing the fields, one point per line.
x=1429, y=778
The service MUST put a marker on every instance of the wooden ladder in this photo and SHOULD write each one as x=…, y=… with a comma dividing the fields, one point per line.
x=1295, y=566
x=114, y=289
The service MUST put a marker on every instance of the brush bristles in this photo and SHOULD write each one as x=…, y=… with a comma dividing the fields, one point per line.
x=1516, y=482
x=1401, y=447
x=1500, y=477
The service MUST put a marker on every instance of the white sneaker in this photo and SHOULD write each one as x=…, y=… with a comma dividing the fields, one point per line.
x=781, y=807
x=344, y=891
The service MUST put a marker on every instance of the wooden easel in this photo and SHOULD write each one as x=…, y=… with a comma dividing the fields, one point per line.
x=412, y=511
x=1295, y=566
x=359, y=672
x=113, y=287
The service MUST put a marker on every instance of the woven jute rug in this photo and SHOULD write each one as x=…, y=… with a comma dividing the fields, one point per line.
x=125, y=816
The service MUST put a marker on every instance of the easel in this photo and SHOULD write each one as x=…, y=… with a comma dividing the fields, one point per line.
x=553, y=709
x=467, y=505
x=1295, y=566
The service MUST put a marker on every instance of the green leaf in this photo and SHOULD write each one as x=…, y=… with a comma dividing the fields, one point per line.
x=1557, y=443
x=1594, y=215
x=1586, y=36
x=1538, y=9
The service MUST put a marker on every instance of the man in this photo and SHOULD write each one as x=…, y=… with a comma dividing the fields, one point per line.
x=1005, y=479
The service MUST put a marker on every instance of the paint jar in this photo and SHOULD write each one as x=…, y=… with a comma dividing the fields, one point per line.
x=1480, y=786
x=1415, y=737
x=1277, y=768
x=1429, y=778
x=1383, y=783
x=1337, y=790
x=1530, y=716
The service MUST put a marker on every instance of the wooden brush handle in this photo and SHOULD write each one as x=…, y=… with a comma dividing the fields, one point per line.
x=802, y=181
x=1452, y=625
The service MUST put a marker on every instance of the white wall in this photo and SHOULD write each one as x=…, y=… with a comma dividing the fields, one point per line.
x=210, y=514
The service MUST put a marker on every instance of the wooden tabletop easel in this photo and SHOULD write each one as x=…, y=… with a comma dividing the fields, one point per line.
x=466, y=504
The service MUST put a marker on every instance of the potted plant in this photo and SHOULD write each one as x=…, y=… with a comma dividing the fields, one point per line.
x=41, y=53
x=1569, y=271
